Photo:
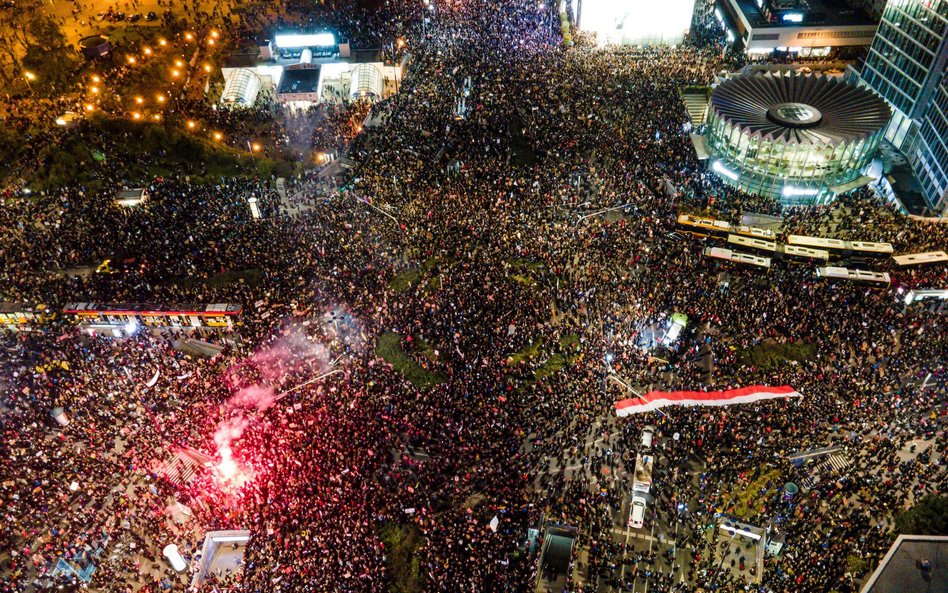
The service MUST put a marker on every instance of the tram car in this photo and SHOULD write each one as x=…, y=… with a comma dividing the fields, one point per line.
x=122, y=319
x=23, y=316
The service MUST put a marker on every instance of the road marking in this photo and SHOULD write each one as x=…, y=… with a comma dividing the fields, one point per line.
x=630, y=533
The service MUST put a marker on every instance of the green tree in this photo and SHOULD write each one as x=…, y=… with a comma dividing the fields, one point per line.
x=47, y=55
x=929, y=516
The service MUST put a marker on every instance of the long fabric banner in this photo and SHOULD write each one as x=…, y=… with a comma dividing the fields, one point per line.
x=658, y=399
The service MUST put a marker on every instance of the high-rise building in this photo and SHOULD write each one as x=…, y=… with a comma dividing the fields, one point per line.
x=906, y=65
x=930, y=157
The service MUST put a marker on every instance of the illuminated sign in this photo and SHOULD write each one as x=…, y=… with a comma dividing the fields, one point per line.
x=289, y=41
x=793, y=17
x=799, y=191
x=636, y=22
x=718, y=167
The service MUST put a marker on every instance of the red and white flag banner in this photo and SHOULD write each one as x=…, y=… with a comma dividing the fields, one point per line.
x=657, y=399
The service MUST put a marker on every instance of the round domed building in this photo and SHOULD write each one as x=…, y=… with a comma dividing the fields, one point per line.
x=793, y=137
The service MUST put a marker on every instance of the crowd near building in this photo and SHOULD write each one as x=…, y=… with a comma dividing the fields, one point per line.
x=798, y=139
x=541, y=309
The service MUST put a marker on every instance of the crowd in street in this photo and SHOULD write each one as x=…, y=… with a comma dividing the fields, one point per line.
x=467, y=238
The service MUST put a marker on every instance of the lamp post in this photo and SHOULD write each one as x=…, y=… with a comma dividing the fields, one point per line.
x=29, y=76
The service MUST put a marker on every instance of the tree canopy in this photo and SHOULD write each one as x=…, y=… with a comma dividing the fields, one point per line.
x=929, y=516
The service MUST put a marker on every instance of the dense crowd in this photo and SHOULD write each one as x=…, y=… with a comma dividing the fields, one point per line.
x=462, y=242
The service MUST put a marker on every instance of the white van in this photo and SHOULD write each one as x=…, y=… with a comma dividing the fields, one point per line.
x=637, y=513
x=647, y=433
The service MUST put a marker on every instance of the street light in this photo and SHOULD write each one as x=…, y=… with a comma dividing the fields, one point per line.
x=192, y=124
x=218, y=136
x=30, y=77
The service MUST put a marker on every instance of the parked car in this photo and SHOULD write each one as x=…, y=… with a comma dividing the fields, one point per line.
x=637, y=514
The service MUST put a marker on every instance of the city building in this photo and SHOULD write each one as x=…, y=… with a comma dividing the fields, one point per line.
x=798, y=139
x=913, y=563
x=300, y=70
x=906, y=65
x=797, y=28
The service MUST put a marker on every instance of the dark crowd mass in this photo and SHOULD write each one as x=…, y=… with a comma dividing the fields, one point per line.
x=463, y=244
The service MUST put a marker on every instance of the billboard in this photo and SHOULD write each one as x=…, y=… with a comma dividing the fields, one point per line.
x=636, y=22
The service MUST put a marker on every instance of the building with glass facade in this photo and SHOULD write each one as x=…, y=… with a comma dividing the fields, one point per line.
x=798, y=139
x=930, y=157
x=906, y=65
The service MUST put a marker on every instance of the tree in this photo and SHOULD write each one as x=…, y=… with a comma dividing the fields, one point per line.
x=47, y=55
x=929, y=516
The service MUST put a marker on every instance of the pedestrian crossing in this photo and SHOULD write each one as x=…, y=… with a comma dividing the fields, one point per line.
x=180, y=470
x=834, y=464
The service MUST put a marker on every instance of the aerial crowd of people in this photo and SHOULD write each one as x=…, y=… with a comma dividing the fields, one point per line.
x=464, y=298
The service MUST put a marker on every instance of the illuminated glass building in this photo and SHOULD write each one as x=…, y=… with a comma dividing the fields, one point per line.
x=906, y=65
x=799, y=139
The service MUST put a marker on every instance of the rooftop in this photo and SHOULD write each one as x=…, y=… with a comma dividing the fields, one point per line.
x=799, y=109
x=299, y=80
x=902, y=568
x=821, y=13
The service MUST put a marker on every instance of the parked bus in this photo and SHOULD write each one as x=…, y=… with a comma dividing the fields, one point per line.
x=802, y=253
x=858, y=276
x=756, y=232
x=920, y=259
x=704, y=227
x=856, y=248
x=869, y=249
x=738, y=258
x=737, y=241
x=818, y=243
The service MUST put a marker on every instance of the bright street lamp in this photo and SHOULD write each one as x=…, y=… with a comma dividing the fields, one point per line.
x=30, y=77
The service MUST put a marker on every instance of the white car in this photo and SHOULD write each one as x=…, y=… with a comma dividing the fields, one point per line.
x=637, y=514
